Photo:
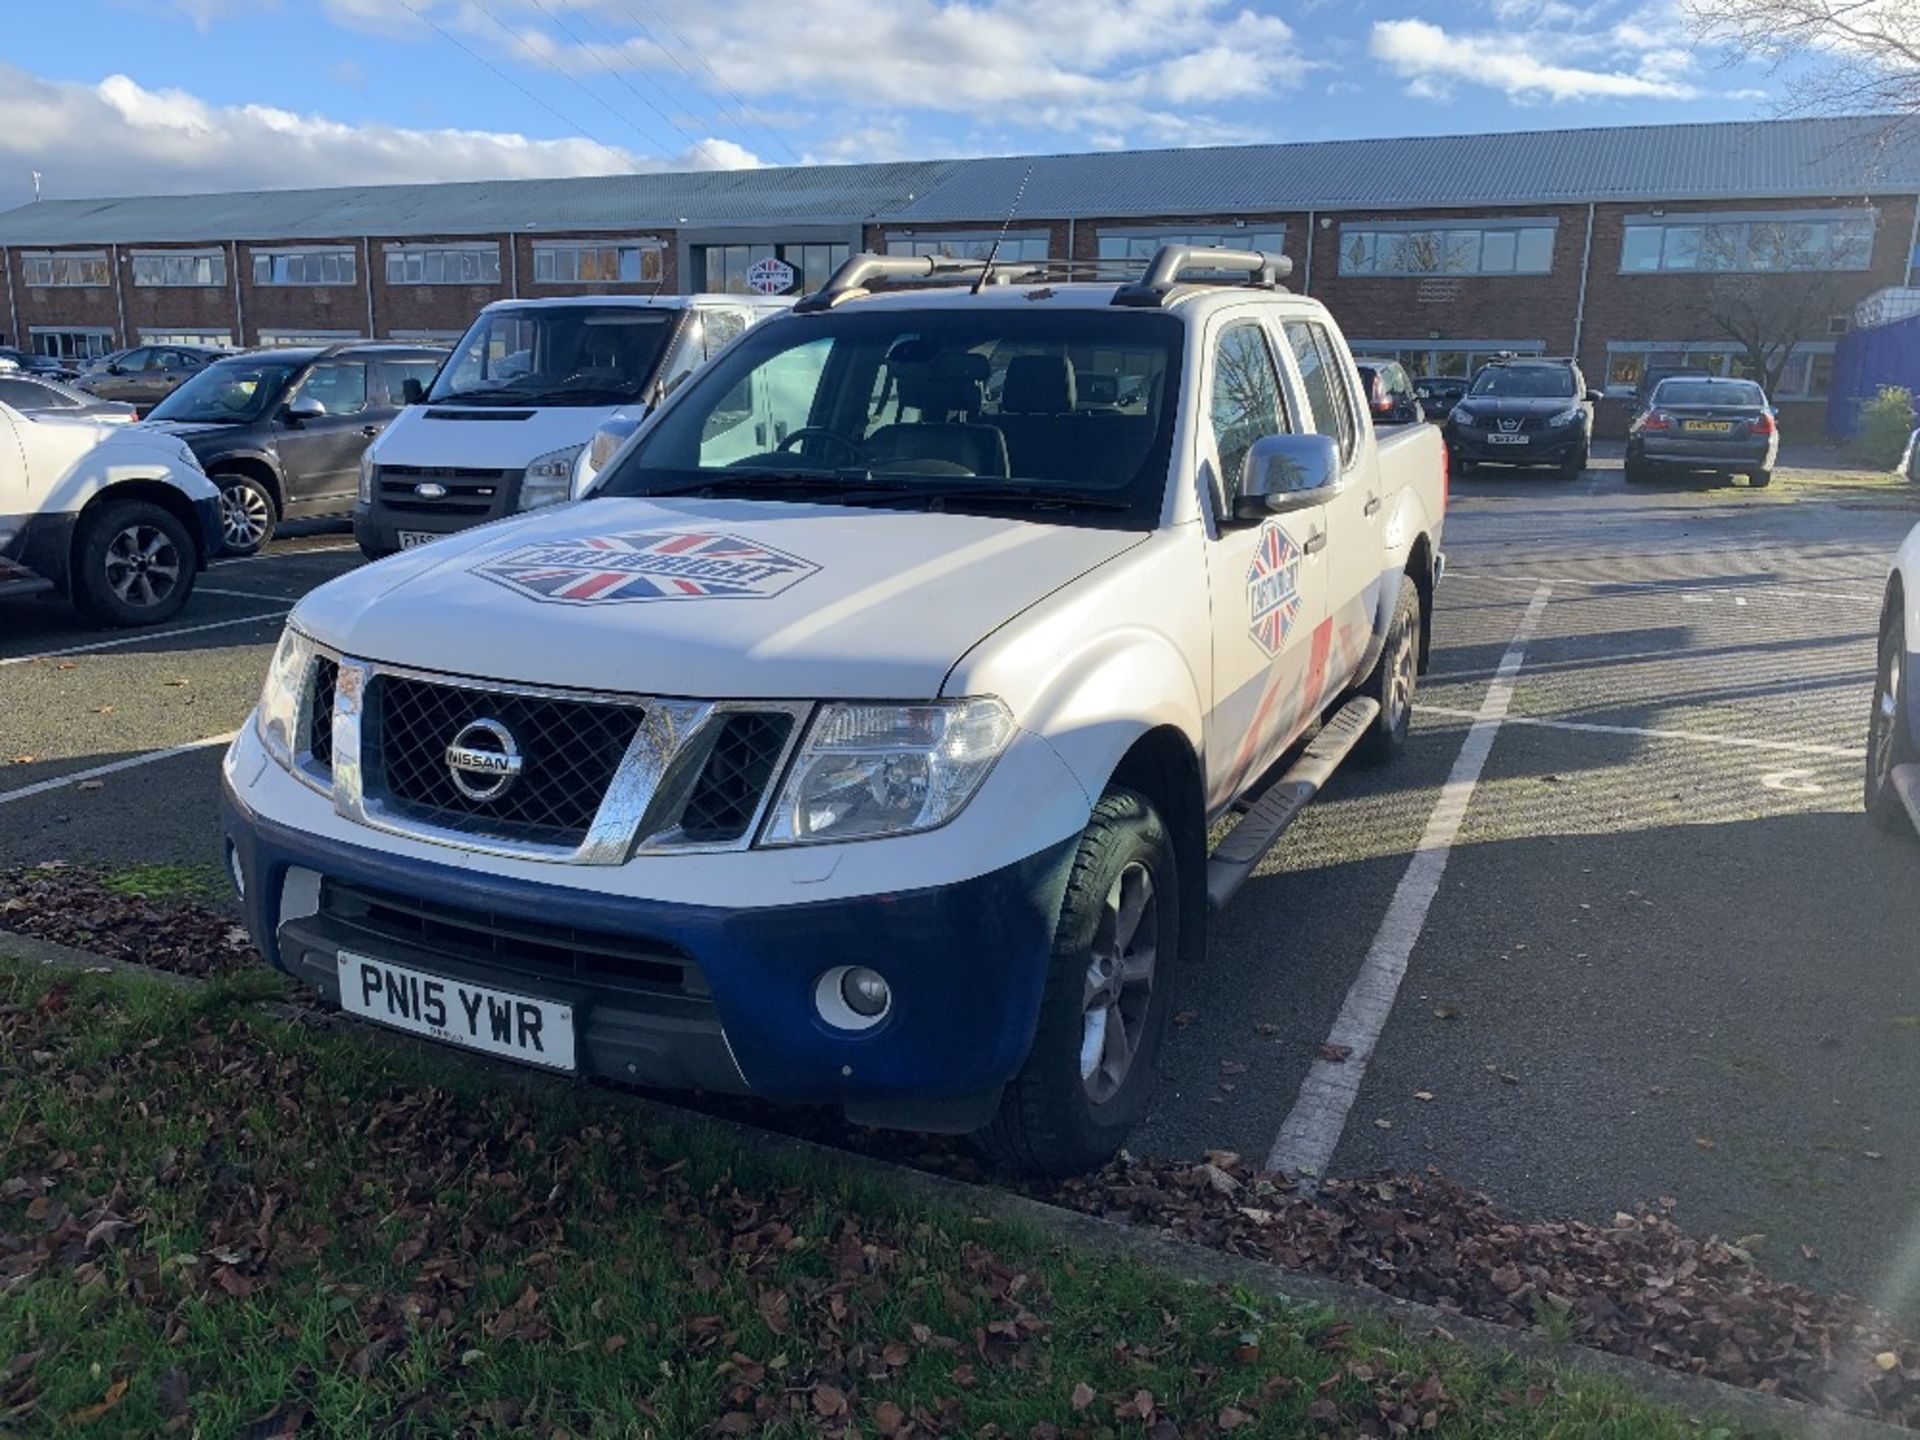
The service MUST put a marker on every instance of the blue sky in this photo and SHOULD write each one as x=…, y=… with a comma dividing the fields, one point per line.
x=144, y=96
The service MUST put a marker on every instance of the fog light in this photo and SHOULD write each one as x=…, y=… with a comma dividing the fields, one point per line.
x=865, y=992
x=239, y=875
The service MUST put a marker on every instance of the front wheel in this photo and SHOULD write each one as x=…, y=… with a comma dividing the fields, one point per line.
x=1575, y=465
x=134, y=564
x=1889, y=736
x=1089, y=1076
x=248, y=514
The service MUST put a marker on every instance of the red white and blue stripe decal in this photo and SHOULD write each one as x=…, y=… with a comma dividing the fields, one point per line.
x=1273, y=589
x=664, y=565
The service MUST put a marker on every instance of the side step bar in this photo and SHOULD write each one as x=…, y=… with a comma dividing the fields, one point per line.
x=1248, y=842
x=1906, y=784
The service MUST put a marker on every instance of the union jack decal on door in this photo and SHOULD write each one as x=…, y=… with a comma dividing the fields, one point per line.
x=1273, y=590
x=658, y=565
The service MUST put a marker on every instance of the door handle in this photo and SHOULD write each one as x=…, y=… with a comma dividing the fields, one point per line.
x=1372, y=505
x=369, y=430
x=1316, y=542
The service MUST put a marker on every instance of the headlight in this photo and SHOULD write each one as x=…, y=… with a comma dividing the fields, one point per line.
x=868, y=770
x=1460, y=415
x=548, y=479
x=366, y=476
x=606, y=443
x=1570, y=416
x=278, y=714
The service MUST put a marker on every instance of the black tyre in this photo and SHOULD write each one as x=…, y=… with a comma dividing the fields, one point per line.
x=1391, y=684
x=1574, y=466
x=248, y=514
x=1889, y=738
x=1759, y=479
x=1638, y=472
x=1090, y=1074
x=1464, y=467
x=134, y=564
x=371, y=550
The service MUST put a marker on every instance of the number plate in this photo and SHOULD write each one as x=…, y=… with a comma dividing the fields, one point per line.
x=1508, y=439
x=518, y=1027
x=412, y=539
x=1708, y=427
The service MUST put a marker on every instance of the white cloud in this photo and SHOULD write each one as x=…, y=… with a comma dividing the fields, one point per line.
x=1432, y=60
x=118, y=137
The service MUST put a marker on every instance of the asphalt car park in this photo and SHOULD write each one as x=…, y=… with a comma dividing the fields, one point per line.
x=1613, y=931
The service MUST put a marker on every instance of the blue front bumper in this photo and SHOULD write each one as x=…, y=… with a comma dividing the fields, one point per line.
x=966, y=963
x=212, y=533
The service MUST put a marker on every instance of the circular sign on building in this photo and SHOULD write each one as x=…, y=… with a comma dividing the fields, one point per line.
x=769, y=276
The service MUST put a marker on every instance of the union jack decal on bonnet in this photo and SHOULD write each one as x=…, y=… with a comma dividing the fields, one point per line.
x=651, y=565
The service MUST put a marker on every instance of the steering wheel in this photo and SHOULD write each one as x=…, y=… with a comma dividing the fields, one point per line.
x=820, y=432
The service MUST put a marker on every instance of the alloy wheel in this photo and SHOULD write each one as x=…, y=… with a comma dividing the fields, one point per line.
x=1119, y=983
x=143, y=567
x=244, y=516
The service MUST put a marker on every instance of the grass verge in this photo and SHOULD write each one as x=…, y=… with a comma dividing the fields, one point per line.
x=216, y=1222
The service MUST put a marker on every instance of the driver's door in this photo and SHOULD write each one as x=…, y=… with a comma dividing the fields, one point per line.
x=1266, y=578
x=320, y=456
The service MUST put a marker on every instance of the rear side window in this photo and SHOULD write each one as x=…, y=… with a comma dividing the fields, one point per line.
x=25, y=395
x=1245, y=403
x=393, y=376
x=1326, y=389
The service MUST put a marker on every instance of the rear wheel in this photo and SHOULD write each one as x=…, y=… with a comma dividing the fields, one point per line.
x=1759, y=479
x=1392, y=682
x=134, y=564
x=1088, y=1078
x=1889, y=736
x=248, y=514
x=1638, y=471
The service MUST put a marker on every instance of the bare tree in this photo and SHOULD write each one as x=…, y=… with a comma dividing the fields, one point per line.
x=1774, y=285
x=1866, y=53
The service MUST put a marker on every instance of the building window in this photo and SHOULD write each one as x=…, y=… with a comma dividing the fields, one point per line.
x=218, y=339
x=71, y=343
x=443, y=264
x=71, y=269
x=1141, y=244
x=179, y=268
x=1469, y=248
x=1811, y=240
x=1807, y=376
x=307, y=337
x=1454, y=359
x=605, y=262
x=974, y=244
x=306, y=267
x=723, y=268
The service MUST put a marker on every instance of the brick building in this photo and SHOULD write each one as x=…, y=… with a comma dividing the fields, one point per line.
x=1623, y=246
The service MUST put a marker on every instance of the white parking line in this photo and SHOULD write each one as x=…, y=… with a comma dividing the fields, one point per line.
x=1690, y=589
x=138, y=637
x=1313, y=1127
x=235, y=594
x=1738, y=742
x=60, y=782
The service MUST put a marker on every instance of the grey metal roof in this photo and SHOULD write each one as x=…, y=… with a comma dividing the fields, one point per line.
x=1733, y=160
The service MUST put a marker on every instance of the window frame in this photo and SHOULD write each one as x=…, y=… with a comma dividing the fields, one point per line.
x=71, y=261
x=1446, y=237
x=169, y=261
x=1835, y=255
x=419, y=257
x=1227, y=486
x=643, y=248
x=975, y=244
x=266, y=261
x=1340, y=366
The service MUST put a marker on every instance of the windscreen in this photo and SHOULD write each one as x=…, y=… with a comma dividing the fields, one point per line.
x=1709, y=392
x=229, y=391
x=1064, y=410
x=1525, y=382
x=556, y=355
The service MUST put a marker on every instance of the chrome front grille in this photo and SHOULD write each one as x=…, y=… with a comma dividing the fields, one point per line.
x=569, y=750
x=466, y=492
x=596, y=778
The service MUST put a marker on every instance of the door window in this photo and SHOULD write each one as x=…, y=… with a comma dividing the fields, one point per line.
x=138, y=359
x=392, y=377
x=1326, y=389
x=722, y=326
x=339, y=388
x=1246, y=402
x=25, y=395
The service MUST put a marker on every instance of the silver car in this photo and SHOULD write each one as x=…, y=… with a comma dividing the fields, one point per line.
x=33, y=395
x=1704, y=423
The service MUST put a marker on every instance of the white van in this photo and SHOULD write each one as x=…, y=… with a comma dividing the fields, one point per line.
x=509, y=418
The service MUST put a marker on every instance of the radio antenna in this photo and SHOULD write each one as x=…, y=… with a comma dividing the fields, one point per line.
x=1012, y=210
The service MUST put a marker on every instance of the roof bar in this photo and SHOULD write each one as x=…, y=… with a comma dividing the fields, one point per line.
x=1262, y=268
x=851, y=278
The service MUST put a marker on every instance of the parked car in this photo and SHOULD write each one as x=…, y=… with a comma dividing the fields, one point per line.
x=282, y=431
x=1893, y=724
x=957, y=688
x=1704, y=424
x=35, y=395
x=1439, y=393
x=1389, y=391
x=147, y=374
x=510, y=420
x=118, y=519
x=24, y=362
x=1529, y=411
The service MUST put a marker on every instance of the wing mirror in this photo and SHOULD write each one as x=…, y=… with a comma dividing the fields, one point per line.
x=1286, y=472
x=1594, y=397
x=301, y=411
x=412, y=392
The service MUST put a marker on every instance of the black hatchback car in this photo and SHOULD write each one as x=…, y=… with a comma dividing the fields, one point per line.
x=1527, y=411
x=281, y=431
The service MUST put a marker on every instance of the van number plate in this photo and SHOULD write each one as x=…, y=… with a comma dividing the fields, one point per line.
x=413, y=539
x=518, y=1027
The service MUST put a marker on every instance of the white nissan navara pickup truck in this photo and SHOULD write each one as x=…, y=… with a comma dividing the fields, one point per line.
x=876, y=768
